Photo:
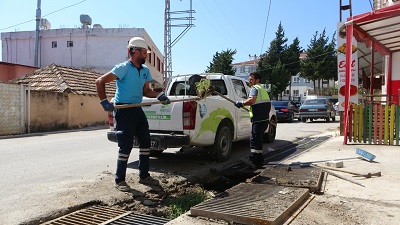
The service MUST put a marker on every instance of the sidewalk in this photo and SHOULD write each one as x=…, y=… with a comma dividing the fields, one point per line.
x=344, y=202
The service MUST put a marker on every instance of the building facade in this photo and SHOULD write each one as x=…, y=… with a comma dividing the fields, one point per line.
x=97, y=49
x=243, y=69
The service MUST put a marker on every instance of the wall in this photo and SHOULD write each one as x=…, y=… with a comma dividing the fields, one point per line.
x=395, y=85
x=85, y=110
x=97, y=49
x=49, y=111
x=10, y=71
x=12, y=109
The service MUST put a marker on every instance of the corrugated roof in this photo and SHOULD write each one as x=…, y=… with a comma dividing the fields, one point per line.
x=55, y=78
x=381, y=25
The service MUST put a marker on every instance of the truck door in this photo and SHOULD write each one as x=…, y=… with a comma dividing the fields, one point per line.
x=242, y=116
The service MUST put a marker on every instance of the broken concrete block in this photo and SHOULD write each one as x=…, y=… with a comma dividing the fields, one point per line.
x=334, y=164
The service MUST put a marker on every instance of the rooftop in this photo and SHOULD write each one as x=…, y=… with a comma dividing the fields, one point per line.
x=56, y=78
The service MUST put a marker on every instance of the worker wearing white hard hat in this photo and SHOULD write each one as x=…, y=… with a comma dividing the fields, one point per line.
x=132, y=82
x=138, y=43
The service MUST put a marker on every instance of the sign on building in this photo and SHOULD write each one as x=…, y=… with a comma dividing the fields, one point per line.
x=341, y=56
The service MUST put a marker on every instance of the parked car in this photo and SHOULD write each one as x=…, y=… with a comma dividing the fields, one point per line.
x=286, y=110
x=318, y=108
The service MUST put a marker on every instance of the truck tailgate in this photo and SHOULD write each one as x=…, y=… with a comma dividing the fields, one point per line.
x=165, y=117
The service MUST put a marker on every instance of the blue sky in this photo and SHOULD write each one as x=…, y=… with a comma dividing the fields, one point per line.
x=219, y=24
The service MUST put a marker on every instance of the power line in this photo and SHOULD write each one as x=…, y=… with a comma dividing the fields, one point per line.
x=222, y=27
x=44, y=15
x=65, y=8
x=326, y=53
x=266, y=25
x=239, y=34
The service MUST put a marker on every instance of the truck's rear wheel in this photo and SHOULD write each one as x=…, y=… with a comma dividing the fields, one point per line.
x=222, y=146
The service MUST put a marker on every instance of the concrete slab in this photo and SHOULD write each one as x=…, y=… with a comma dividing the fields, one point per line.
x=306, y=177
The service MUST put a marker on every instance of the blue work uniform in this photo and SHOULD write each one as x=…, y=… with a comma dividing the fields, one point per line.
x=259, y=116
x=131, y=121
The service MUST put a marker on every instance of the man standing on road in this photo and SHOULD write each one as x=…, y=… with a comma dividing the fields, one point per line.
x=260, y=106
x=132, y=81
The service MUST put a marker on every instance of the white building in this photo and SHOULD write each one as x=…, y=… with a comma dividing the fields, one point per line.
x=298, y=88
x=243, y=69
x=97, y=49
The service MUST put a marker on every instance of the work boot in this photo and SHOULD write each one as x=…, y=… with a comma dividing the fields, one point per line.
x=249, y=162
x=122, y=186
x=149, y=181
x=258, y=160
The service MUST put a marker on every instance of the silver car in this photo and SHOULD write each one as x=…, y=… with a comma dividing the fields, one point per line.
x=318, y=108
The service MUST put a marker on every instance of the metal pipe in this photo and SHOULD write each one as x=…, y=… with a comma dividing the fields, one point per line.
x=29, y=108
x=23, y=106
x=38, y=16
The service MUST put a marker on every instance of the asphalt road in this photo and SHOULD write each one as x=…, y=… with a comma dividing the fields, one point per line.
x=42, y=166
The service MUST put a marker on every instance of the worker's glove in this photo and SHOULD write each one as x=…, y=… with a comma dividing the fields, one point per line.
x=239, y=104
x=163, y=98
x=107, y=106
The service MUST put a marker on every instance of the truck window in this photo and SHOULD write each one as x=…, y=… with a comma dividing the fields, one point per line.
x=239, y=88
x=219, y=86
x=179, y=89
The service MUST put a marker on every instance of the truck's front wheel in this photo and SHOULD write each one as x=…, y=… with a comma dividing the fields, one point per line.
x=223, y=144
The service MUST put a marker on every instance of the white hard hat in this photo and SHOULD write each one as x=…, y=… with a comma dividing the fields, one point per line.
x=138, y=42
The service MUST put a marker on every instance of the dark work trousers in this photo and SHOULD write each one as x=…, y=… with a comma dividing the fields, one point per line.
x=256, y=141
x=132, y=122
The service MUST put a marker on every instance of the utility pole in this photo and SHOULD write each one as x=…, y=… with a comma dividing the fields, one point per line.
x=38, y=17
x=341, y=113
x=168, y=44
x=345, y=7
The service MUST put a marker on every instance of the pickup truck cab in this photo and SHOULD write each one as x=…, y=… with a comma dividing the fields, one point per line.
x=212, y=122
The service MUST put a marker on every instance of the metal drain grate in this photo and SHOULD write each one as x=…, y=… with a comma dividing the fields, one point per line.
x=102, y=215
x=139, y=219
x=253, y=204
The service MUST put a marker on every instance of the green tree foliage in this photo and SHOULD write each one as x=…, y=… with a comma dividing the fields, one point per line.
x=321, y=61
x=292, y=54
x=278, y=79
x=222, y=62
x=274, y=63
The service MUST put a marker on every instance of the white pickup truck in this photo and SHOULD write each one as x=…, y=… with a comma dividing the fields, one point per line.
x=212, y=122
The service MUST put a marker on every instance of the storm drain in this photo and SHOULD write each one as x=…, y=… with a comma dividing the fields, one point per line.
x=103, y=215
x=249, y=203
x=139, y=219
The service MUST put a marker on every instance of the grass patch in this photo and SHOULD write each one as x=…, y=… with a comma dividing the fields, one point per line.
x=180, y=205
